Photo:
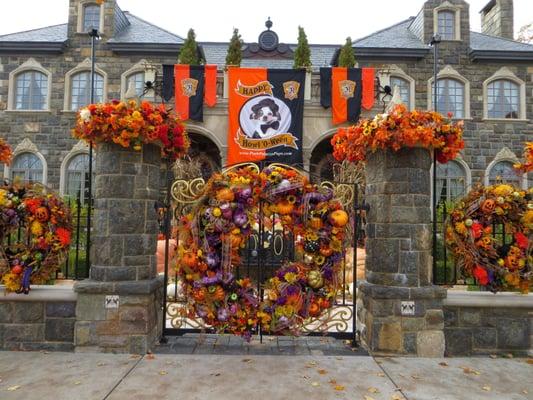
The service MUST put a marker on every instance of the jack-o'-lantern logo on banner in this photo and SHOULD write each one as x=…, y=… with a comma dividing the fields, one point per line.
x=347, y=88
x=265, y=115
x=189, y=86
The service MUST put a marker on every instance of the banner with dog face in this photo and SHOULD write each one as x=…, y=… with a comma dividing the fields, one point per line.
x=265, y=115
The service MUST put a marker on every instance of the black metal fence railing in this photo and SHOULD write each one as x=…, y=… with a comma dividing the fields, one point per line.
x=75, y=265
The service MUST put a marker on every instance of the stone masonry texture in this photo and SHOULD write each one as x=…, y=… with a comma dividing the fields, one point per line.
x=123, y=255
x=398, y=261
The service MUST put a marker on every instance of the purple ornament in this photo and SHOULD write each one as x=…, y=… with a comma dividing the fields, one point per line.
x=212, y=260
x=244, y=193
x=222, y=314
x=240, y=218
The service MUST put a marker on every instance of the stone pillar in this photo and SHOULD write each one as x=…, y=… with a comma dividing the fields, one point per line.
x=119, y=306
x=401, y=309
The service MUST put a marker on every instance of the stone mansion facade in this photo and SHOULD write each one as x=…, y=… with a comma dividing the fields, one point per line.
x=484, y=78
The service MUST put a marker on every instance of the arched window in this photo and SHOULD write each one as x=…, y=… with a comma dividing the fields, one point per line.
x=138, y=80
x=504, y=172
x=77, y=177
x=91, y=17
x=503, y=99
x=405, y=89
x=451, y=181
x=31, y=91
x=27, y=167
x=80, y=92
x=446, y=24
x=451, y=97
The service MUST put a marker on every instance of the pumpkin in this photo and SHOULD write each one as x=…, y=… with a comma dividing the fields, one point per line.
x=17, y=269
x=512, y=262
x=315, y=223
x=219, y=294
x=225, y=194
x=488, y=206
x=284, y=207
x=314, y=309
x=189, y=259
x=42, y=214
x=235, y=240
x=326, y=251
x=199, y=294
x=315, y=279
x=339, y=218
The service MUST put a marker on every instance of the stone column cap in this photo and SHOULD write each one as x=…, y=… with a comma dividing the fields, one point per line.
x=125, y=287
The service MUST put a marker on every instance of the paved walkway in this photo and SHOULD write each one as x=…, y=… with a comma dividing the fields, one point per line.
x=78, y=376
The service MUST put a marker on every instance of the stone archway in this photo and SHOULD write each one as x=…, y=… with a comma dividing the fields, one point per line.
x=322, y=160
x=205, y=153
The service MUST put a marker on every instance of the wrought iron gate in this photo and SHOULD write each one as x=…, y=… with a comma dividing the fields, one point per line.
x=266, y=249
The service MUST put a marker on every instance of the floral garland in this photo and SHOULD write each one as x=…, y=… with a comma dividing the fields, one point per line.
x=46, y=233
x=527, y=166
x=401, y=128
x=127, y=124
x=493, y=262
x=5, y=152
x=212, y=236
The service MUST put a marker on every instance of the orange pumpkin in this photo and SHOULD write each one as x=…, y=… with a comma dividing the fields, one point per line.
x=326, y=251
x=199, y=294
x=488, y=206
x=189, y=259
x=225, y=194
x=42, y=214
x=219, y=294
x=338, y=218
x=315, y=223
x=235, y=240
x=314, y=309
x=284, y=207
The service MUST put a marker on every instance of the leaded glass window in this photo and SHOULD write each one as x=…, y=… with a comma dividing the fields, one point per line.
x=81, y=89
x=27, y=167
x=451, y=97
x=446, y=28
x=503, y=99
x=405, y=89
x=31, y=91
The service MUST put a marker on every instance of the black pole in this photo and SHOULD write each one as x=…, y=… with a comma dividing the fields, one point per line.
x=357, y=216
x=435, y=43
x=93, y=33
x=168, y=213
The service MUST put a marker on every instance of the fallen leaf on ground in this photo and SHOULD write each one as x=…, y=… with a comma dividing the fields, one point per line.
x=468, y=370
x=368, y=397
x=443, y=364
x=305, y=377
x=315, y=384
x=77, y=383
x=150, y=356
x=525, y=391
x=13, y=388
x=246, y=360
x=486, y=388
x=310, y=364
x=380, y=374
x=322, y=371
x=100, y=364
x=163, y=372
x=372, y=390
x=339, y=387
x=339, y=358
x=415, y=377
x=396, y=396
x=333, y=381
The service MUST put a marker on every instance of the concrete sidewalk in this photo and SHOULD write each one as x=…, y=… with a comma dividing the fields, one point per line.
x=73, y=376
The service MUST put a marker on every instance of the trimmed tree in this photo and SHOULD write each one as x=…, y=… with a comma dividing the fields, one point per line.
x=234, y=56
x=189, y=52
x=347, y=56
x=302, y=54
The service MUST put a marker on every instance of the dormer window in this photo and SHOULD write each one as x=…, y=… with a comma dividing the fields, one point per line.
x=447, y=21
x=446, y=25
x=91, y=17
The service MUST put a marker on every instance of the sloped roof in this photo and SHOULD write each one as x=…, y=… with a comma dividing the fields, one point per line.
x=482, y=41
x=215, y=53
x=54, y=33
x=396, y=36
x=141, y=31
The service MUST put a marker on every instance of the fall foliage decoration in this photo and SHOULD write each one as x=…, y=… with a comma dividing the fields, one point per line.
x=527, y=165
x=45, y=228
x=213, y=235
x=490, y=233
x=130, y=125
x=401, y=128
x=5, y=152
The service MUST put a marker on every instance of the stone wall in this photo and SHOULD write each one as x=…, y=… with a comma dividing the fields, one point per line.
x=41, y=320
x=483, y=323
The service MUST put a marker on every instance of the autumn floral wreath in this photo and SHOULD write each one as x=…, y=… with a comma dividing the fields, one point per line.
x=5, y=152
x=212, y=236
x=496, y=261
x=401, y=128
x=39, y=224
x=130, y=125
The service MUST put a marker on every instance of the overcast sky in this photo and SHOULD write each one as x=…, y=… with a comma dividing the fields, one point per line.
x=327, y=21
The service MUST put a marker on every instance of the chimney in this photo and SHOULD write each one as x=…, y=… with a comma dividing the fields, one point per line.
x=497, y=19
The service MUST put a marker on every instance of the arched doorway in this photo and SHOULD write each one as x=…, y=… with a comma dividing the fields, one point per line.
x=322, y=160
x=203, y=158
